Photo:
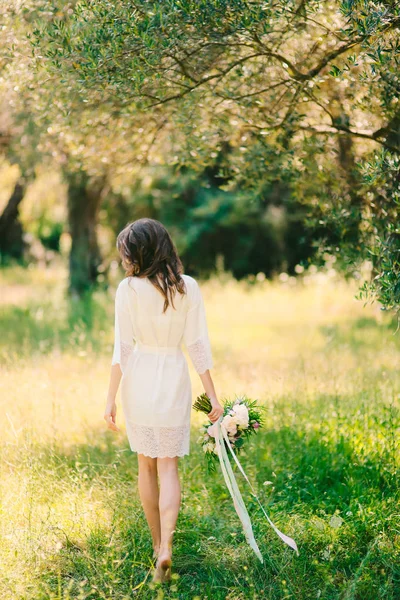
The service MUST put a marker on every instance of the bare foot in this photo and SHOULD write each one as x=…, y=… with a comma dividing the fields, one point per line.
x=156, y=551
x=162, y=571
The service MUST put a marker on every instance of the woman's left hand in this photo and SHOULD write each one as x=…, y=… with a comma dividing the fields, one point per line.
x=216, y=411
x=110, y=415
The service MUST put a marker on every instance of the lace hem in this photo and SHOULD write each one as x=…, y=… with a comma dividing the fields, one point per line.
x=159, y=442
x=200, y=354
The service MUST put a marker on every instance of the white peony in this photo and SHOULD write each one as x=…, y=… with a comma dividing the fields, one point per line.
x=241, y=416
x=230, y=424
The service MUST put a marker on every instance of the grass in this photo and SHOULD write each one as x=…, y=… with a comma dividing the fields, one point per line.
x=325, y=367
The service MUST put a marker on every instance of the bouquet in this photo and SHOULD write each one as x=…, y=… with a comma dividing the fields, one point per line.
x=241, y=419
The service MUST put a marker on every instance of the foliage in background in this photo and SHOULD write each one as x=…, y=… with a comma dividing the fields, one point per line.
x=206, y=74
x=292, y=105
x=251, y=235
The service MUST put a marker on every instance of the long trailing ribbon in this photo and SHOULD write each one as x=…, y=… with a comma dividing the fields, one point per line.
x=234, y=491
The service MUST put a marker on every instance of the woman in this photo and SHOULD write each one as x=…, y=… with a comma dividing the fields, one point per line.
x=157, y=308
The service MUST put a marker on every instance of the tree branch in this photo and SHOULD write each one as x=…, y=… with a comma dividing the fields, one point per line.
x=339, y=128
x=204, y=80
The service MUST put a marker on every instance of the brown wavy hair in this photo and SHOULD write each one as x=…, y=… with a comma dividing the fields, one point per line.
x=147, y=250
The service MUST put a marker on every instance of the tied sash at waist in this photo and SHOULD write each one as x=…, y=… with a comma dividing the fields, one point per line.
x=234, y=491
x=153, y=349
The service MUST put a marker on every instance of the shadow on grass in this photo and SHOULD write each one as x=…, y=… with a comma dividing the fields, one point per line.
x=364, y=332
x=41, y=327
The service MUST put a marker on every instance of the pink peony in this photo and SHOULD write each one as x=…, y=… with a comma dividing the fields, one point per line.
x=211, y=431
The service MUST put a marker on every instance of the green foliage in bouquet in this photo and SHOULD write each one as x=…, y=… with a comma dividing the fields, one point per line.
x=242, y=418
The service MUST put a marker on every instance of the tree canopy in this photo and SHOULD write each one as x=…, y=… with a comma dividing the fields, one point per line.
x=274, y=96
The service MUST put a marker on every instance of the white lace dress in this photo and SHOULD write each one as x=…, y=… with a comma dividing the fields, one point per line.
x=156, y=393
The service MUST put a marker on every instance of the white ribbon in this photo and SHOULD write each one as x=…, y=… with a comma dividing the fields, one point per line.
x=234, y=491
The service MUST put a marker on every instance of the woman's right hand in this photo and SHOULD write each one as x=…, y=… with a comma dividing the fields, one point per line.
x=110, y=415
x=216, y=411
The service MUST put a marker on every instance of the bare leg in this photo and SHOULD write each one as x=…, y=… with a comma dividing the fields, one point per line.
x=149, y=496
x=169, y=503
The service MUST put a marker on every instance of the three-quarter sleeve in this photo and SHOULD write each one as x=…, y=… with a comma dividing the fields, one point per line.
x=123, y=330
x=195, y=337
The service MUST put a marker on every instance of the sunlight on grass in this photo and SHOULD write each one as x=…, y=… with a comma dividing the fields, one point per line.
x=326, y=370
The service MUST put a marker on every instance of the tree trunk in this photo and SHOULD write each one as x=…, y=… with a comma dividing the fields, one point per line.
x=84, y=199
x=391, y=131
x=348, y=166
x=11, y=232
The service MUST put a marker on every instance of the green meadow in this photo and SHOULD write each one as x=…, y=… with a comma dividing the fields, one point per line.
x=325, y=466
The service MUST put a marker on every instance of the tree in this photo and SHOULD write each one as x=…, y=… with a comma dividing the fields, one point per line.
x=84, y=199
x=26, y=140
x=201, y=73
x=11, y=231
